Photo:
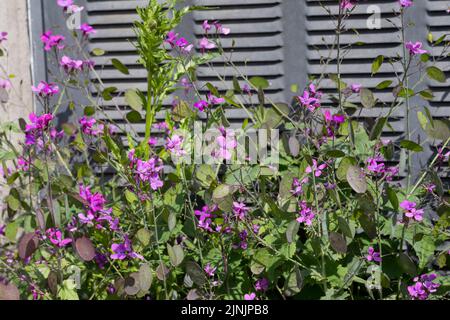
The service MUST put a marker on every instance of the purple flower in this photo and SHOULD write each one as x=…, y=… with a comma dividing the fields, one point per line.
x=297, y=186
x=410, y=210
x=226, y=143
x=3, y=36
x=375, y=165
x=87, y=29
x=5, y=84
x=90, y=127
x=71, y=65
x=206, y=26
x=240, y=210
x=356, y=87
x=101, y=260
x=221, y=29
x=175, y=145
x=124, y=250
x=310, y=98
x=306, y=214
x=372, y=255
x=204, y=216
x=348, y=4
x=201, y=105
x=423, y=287
x=406, y=3
x=95, y=202
x=415, y=48
x=262, y=284
x=2, y=230
x=49, y=40
x=317, y=169
x=212, y=99
x=64, y=3
x=250, y=296
x=430, y=187
x=44, y=89
x=209, y=270
x=205, y=44
x=148, y=171
x=55, y=236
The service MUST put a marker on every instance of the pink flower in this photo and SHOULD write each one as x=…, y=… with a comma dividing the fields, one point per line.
x=415, y=48
x=212, y=99
x=310, y=98
x=297, y=186
x=423, y=286
x=5, y=84
x=221, y=29
x=49, y=40
x=201, y=105
x=375, y=164
x=152, y=141
x=23, y=164
x=410, y=210
x=206, y=26
x=356, y=88
x=3, y=36
x=96, y=201
x=44, y=89
x=315, y=168
x=372, y=255
x=148, y=171
x=226, y=143
x=175, y=145
x=121, y=251
x=209, y=270
x=306, y=214
x=348, y=4
x=430, y=187
x=71, y=65
x=64, y=3
x=249, y=297
x=55, y=236
x=205, y=44
x=240, y=210
x=262, y=284
x=406, y=3
x=90, y=127
x=181, y=43
x=87, y=29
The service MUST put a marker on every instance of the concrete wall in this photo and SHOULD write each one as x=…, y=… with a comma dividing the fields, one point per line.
x=14, y=20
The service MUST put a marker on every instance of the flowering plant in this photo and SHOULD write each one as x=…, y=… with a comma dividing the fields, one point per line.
x=96, y=211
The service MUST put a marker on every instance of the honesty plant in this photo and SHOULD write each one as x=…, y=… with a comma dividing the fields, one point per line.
x=328, y=216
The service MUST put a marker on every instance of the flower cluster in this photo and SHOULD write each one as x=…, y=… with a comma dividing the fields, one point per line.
x=423, y=286
x=411, y=211
x=147, y=171
x=44, y=89
x=219, y=28
x=310, y=98
x=178, y=42
x=306, y=214
x=90, y=127
x=372, y=255
x=52, y=41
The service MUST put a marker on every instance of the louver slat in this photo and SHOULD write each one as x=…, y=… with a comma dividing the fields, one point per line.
x=366, y=44
x=255, y=44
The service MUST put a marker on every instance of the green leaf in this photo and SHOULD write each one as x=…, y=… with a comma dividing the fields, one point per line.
x=176, y=254
x=292, y=230
x=134, y=117
x=367, y=98
x=406, y=264
x=205, y=175
x=424, y=250
x=89, y=111
x=107, y=93
x=196, y=273
x=335, y=154
x=377, y=64
x=134, y=100
x=437, y=74
x=411, y=145
x=120, y=66
x=440, y=129
x=98, y=52
x=143, y=236
x=378, y=128
x=383, y=84
x=259, y=82
x=145, y=277
x=426, y=94
x=356, y=179
x=345, y=228
x=392, y=196
x=338, y=242
x=11, y=231
x=67, y=291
